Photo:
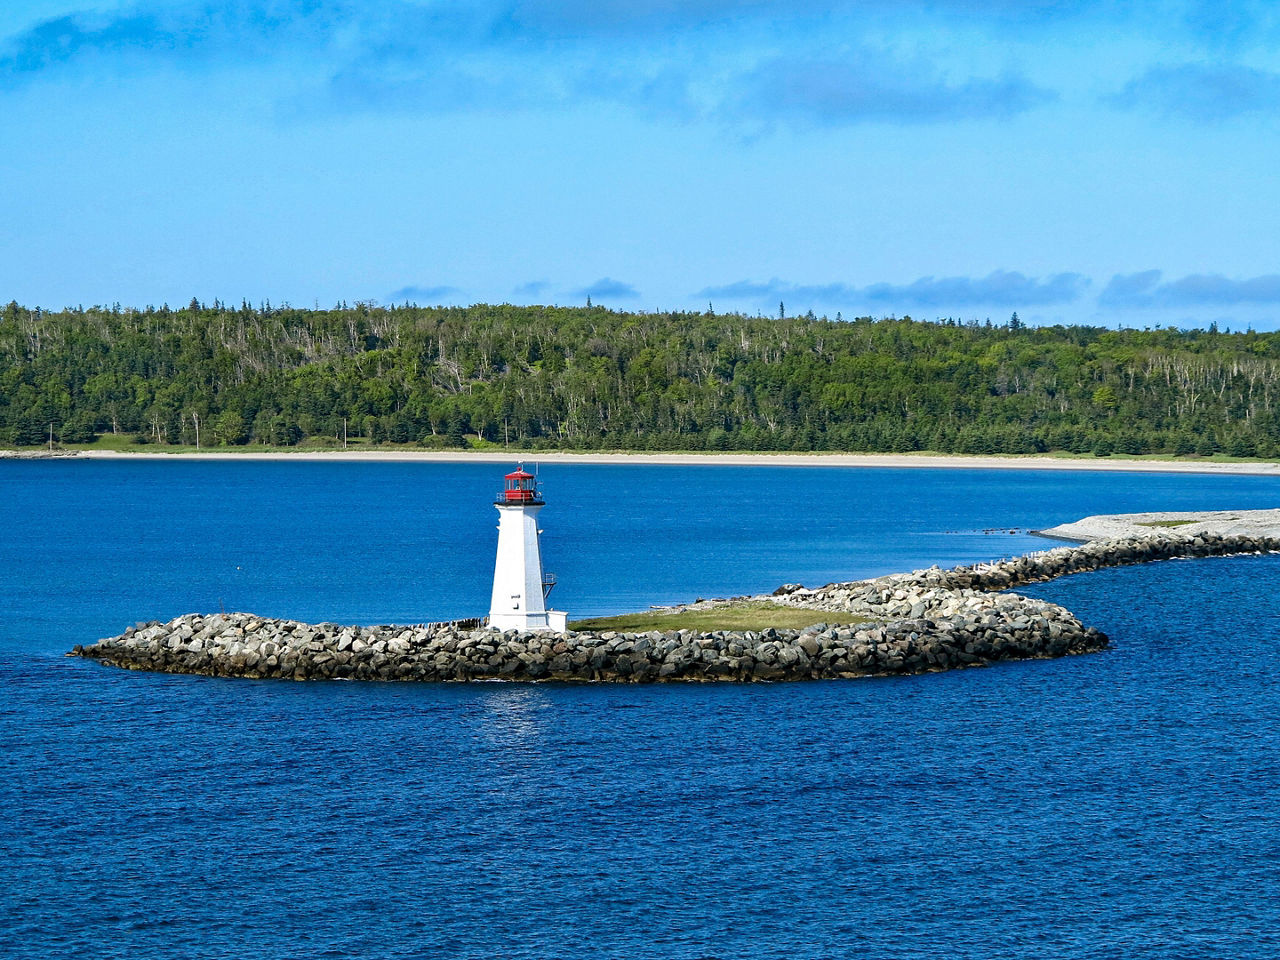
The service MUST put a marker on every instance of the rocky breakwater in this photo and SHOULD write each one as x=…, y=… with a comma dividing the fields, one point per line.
x=242, y=645
x=917, y=622
x=935, y=591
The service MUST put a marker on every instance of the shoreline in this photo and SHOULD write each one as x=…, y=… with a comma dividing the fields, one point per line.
x=845, y=460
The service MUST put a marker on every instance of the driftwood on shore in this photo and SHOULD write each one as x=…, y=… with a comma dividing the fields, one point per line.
x=916, y=622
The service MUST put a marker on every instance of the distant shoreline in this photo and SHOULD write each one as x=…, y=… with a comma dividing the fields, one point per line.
x=849, y=460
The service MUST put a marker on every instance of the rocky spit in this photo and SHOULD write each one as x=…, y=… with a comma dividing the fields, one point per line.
x=908, y=623
x=1227, y=523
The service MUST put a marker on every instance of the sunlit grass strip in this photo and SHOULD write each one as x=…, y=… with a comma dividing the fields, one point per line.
x=738, y=616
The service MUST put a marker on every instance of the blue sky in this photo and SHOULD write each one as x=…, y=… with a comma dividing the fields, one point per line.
x=1075, y=162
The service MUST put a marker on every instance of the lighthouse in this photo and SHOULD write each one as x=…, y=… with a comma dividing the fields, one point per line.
x=520, y=587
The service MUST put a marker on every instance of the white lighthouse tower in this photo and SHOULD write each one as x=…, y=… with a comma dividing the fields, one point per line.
x=520, y=587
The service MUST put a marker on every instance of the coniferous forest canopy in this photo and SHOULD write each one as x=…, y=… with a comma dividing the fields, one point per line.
x=592, y=378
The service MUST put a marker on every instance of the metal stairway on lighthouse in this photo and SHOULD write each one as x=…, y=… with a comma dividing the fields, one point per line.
x=520, y=587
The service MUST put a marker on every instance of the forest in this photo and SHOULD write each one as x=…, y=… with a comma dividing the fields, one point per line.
x=587, y=378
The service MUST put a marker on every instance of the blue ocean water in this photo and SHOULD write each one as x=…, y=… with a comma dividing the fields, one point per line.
x=1122, y=804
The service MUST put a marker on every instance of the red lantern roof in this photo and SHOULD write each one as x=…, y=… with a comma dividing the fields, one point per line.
x=521, y=488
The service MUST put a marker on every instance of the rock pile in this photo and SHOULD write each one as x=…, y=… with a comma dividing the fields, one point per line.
x=922, y=592
x=920, y=622
x=242, y=645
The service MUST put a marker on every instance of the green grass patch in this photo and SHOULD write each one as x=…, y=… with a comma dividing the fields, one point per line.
x=110, y=441
x=1164, y=523
x=736, y=616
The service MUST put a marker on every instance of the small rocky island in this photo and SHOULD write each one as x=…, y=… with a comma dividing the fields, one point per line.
x=909, y=623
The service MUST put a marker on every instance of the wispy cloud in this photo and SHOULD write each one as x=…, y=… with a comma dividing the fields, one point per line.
x=1204, y=92
x=64, y=39
x=443, y=57
x=1001, y=288
x=862, y=86
x=532, y=289
x=857, y=86
x=608, y=288
x=626, y=17
x=1227, y=24
x=423, y=294
x=755, y=290
x=1149, y=289
x=752, y=63
x=188, y=35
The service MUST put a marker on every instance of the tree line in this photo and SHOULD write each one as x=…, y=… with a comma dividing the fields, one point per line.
x=538, y=377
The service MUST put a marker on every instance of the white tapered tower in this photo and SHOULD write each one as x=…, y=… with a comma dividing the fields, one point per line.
x=520, y=588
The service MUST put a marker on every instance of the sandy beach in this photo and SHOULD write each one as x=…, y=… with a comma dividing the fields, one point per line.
x=850, y=460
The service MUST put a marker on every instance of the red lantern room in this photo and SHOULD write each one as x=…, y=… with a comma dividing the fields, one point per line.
x=521, y=488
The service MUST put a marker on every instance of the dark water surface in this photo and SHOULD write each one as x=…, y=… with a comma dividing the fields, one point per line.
x=1124, y=804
